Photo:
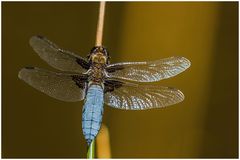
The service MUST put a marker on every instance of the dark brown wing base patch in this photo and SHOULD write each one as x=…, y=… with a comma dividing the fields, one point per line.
x=80, y=80
x=110, y=85
x=114, y=68
x=84, y=64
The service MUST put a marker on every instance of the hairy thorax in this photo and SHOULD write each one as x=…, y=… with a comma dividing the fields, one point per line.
x=96, y=73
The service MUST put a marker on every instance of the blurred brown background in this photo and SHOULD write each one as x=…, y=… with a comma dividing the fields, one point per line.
x=204, y=125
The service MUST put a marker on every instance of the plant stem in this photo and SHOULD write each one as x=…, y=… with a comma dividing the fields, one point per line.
x=91, y=150
x=99, y=33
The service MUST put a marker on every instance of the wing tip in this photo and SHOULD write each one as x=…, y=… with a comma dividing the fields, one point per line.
x=29, y=67
x=23, y=70
x=186, y=61
x=20, y=73
x=39, y=36
x=181, y=95
x=35, y=38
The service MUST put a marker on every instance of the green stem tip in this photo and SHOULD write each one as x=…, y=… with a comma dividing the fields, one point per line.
x=91, y=150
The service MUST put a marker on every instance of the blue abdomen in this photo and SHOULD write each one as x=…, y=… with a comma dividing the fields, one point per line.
x=92, y=112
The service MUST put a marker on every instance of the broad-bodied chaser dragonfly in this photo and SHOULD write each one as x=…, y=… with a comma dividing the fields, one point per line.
x=97, y=81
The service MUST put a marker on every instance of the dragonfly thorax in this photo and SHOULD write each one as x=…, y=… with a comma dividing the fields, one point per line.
x=96, y=73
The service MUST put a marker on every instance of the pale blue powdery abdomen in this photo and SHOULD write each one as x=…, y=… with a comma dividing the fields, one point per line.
x=92, y=112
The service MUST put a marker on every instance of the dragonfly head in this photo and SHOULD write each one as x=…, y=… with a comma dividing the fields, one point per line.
x=99, y=54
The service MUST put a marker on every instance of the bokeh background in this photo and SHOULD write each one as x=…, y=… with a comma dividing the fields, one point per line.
x=204, y=125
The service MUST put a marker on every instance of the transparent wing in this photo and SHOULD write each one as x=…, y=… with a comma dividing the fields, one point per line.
x=148, y=71
x=65, y=87
x=56, y=57
x=124, y=95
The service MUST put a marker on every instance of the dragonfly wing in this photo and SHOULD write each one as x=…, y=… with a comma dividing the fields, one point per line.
x=148, y=71
x=57, y=57
x=62, y=86
x=125, y=95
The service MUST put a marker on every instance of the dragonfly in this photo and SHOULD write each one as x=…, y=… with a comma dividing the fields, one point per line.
x=96, y=81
